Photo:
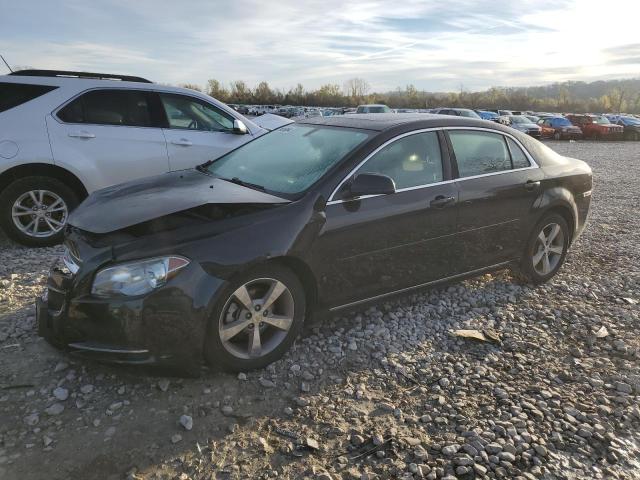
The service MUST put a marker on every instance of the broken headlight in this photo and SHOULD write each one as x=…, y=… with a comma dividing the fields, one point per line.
x=136, y=278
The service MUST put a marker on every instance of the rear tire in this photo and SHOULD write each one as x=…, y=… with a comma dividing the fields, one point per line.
x=239, y=322
x=43, y=200
x=545, y=251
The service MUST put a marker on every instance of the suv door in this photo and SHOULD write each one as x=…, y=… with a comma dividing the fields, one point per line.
x=498, y=184
x=385, y=243
x=108, y=136
x=197, y=131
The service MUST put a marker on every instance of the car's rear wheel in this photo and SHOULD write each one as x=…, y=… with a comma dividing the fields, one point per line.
x=546, y=249
x=256, y=319
x=34, y=210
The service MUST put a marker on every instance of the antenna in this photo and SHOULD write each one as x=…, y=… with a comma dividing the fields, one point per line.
x=5, y=62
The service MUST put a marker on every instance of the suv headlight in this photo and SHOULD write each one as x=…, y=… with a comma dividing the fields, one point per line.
x=136, y=278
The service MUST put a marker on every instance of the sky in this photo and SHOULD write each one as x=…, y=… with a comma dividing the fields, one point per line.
x=434, y=45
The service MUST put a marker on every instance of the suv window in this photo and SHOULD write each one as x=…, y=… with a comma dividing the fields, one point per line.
x=411, y=161
x=14, y=94
x=478, y=153
x=193, y=114
x=128, y=108
x=518, y=158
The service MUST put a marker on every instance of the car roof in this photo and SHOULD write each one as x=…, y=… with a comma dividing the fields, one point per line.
x=384, y=121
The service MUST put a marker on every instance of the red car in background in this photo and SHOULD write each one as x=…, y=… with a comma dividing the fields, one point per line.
x=596, y=126
x=559, y=128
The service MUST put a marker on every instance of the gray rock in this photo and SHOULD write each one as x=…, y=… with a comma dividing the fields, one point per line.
x=61, y=393
x=55, y=409
x=32, y=419
x=450, y=450
x=186, y=421
x=493, y=448
x=86, y=389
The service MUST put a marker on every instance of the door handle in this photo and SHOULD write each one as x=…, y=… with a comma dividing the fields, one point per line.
x=82, y=134
x=441, y=201
x=531, y=185
x=183, y=142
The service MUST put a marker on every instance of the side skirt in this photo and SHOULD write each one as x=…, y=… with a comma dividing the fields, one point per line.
x=459, y=276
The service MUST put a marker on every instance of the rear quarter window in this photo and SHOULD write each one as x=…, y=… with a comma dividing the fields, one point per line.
x=14, y=94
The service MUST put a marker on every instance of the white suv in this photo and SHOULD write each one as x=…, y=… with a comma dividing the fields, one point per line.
x=66, y=134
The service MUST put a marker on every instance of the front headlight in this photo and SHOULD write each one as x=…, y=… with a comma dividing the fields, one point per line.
x=136, y=278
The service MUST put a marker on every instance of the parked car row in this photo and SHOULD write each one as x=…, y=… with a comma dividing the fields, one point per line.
x=288, y=111
x=542, y=125
x=569, y=126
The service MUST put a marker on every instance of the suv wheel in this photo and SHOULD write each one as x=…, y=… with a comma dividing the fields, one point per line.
x=34, y=210
x=546, y=249
x=256, y=320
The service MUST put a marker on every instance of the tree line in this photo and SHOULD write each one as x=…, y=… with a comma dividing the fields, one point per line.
x=600, y=96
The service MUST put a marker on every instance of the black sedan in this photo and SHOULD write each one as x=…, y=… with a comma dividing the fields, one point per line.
x=225, y=262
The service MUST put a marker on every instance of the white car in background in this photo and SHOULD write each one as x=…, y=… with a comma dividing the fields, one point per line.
x=373, y=108
x=65, y=134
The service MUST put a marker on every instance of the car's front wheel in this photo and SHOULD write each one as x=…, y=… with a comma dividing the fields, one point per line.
x=34, y=210
x=256, y=320
x=546, y=249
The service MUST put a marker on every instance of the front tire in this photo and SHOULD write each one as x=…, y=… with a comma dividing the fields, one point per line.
x=256, y=320
x=546, y=249
x=34, y=210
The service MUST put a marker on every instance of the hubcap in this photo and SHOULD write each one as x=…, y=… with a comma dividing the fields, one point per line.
x=256, y=318
x=548, y=249
x=39, y=213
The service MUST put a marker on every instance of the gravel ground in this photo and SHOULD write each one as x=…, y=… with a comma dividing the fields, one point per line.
x=385, y=392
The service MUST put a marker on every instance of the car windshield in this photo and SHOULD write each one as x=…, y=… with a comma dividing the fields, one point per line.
x=630, y=121
x=288, y=160
x=378, y=109
x=518, y=119
x=562, y=122
x=468, y=113
x=601, y=120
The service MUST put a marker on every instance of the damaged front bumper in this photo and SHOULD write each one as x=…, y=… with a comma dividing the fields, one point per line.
x=165, y=327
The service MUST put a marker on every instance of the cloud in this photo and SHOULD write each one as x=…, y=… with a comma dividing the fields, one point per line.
x=432, y=45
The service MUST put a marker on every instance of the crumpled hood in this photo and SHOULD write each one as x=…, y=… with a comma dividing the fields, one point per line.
x=131, y=203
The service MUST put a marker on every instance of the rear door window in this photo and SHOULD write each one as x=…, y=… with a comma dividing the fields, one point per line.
x=14, y=94
x=109, y=107
x=479, y=153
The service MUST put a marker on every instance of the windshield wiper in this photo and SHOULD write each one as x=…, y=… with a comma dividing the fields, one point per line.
x=237, y=181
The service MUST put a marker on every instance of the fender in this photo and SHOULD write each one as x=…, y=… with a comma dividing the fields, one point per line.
x=560, y=198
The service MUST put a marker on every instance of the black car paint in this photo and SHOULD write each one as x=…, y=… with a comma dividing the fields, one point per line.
x=345, y=252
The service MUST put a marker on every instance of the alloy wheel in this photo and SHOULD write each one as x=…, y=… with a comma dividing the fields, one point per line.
x=256, y=318
x=548, y=249
x=39, y=213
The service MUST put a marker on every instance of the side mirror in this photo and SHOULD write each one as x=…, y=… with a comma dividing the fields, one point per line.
x=371, y=184
x=239, y=128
